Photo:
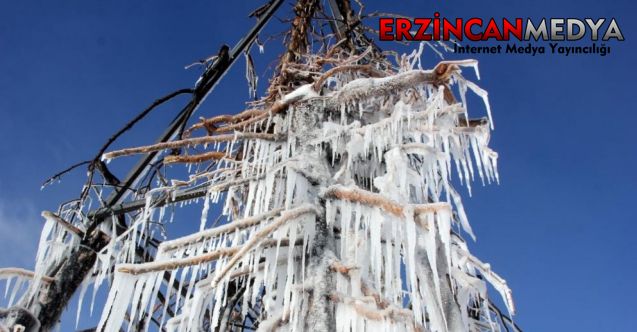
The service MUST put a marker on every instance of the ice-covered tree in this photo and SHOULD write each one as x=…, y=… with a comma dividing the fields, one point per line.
x=338, y=210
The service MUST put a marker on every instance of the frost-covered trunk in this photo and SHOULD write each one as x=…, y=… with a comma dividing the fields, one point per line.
x=72, y=272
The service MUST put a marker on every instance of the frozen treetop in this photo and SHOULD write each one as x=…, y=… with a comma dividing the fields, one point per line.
x=338, y=196
x=337, y=212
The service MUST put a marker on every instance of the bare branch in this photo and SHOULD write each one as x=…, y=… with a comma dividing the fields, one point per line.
x=214, y=155
x=189, y=142
x=257, y=237
x=364, y=197
x=210, y=233
x=366, y=69
x=9, y=272
x=65, y=224
x=59, y=175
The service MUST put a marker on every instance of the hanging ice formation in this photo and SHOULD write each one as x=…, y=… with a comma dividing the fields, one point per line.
x=343, y=206
x=340, y=212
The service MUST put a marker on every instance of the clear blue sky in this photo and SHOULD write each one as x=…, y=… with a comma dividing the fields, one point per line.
x=560, y=227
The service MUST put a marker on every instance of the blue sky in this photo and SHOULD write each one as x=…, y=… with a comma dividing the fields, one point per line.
x=559, y=227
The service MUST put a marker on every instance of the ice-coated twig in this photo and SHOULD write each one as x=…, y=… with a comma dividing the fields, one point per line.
x=189, y=142
x=173, y=264
x=210, y=233
x=48, y=215
x=365, y=69
x=364, y=197
x=364, y=308
x=9, y=272
x=198, y=158
x=257, y=237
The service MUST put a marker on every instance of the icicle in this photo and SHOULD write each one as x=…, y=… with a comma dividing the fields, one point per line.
x=85, y=284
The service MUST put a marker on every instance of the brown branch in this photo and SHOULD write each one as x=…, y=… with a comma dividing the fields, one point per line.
x=48, y=215
x=244, y=118
x=256, y=115
x=430, y=207
x=173, y=264
x=337, y=266
x=371, y=292
x=257, y=237
x=15, y=271
x=364, y=197
x=189, y=142
x=212, y=123
x=282, y=260
x=369, y=198
x=369, y=312
x=209, y=233
x=341, y=268
x=198, y=158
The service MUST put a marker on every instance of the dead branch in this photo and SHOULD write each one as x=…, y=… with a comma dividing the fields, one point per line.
x=9, y=272
x=59, y=174
x=339, y=267
x=245, y=118
x=257, y=237
x=210, y=233
x=369, y=198
x=364, y=309
x=136, y=269
x=365, y=69
x=173, y=264
x=48, y=215
x=198, y=158
x=430, y=207
x=371, y=292
x=189, y=142
x=364, y=197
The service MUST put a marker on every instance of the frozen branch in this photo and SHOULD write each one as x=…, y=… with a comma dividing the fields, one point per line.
x=364, y=197
x=210, y=233
x=339, y=267
x=9, y=272
x=498, y=282
x=189, y=142
x=365, y=69
x=363, y=308
x=257, y=237
x=63, y=223
x=430, y=207
x=198, y=158
x=59, y=174
x=173, y=264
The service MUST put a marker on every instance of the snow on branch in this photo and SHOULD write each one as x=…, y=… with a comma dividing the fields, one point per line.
x=65, y=224
x=173, y=264
x=366, y=69
x=188, y=143
x=357, y=195
x=257, y=237
x=198, y=158
x=364, y=197
x=217, y=231
x=9, y=272
x=363, y=308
